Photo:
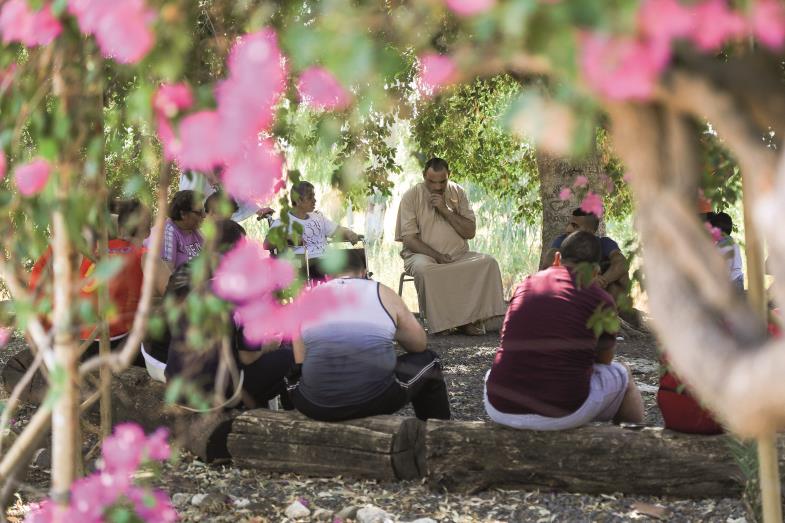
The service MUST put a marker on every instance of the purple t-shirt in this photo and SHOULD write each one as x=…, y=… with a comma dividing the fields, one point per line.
x=180, y=246
x=547, y=352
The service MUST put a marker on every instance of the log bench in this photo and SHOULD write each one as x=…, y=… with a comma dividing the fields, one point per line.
x=382, y=447
x=467, y=457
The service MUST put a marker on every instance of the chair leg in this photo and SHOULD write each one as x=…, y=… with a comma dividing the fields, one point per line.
x=400, y=284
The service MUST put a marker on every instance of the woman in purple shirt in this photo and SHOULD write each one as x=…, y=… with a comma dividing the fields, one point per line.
x=182, y=240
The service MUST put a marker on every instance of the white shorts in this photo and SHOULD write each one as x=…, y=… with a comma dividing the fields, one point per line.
x=606, y=392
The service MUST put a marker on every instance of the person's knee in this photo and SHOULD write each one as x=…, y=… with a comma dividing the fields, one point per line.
x=631, y=409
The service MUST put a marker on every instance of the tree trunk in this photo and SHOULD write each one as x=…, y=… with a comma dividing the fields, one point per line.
x=555, y=174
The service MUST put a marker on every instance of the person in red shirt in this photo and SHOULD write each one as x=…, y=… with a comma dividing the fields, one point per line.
x=551, y=372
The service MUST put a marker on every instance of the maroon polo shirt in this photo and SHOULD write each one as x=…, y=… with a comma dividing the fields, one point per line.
x=544, y=362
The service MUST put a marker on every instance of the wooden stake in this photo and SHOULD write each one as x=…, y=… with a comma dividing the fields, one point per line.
x=768, y=465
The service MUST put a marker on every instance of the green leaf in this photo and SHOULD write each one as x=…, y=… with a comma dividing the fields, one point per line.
x=48, y=149
x=333, y=261
x=58, y=378
x=173, y=389
x=58, y=7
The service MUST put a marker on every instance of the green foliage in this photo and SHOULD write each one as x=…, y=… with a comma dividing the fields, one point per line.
x=464, y=127
x=603, y=320
x=745, y=453
x=720, y=175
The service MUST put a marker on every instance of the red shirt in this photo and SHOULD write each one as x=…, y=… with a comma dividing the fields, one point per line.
x=125, y=287
x=547, y=352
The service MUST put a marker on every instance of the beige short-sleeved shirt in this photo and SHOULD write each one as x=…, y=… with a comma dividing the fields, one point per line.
x=416, y=215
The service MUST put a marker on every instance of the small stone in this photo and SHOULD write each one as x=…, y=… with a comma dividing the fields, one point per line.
x=349, y=512
x=198, y=499
x=241, y=502
x=424, y=520
x=322, y=514
x=297, y=510
x=371, y=514
x=180, y=499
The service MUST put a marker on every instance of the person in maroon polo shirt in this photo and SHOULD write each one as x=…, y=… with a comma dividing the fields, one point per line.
x=551, y=372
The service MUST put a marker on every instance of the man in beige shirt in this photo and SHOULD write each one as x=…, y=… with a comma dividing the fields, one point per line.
x=455, y=287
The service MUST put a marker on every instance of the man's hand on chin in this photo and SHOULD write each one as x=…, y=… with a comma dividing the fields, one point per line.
x=437, y=200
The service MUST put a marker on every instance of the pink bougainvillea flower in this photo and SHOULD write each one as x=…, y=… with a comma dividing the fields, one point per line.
x=20, y=24
x=580, y=181
x=470, y=7
x=620, y=67
x=592, y=203
x=158, y=445
x=248, y=271
x=3, y=164
x=715, y=24
x=121, y=27
x=664, y=20
x=31, y=177
x=714, y=232
x=123, y=449
x=266, y=319
x=319, y=88
x=41, y=512
x=152, y=506
x=5, y=335
x=253, y=177
x=436, y=72
x=565, y=194
x=169, y=99
x=768, y=23
x=171, y=144
x=199, y=149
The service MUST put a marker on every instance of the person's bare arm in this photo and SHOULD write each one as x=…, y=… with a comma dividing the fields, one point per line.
x=408, y=333
x=547, y=261
x=345, y=234
x=162, y=273
x=616, y=271
x=605, y=348
x=298, y=347
x=414, y=244
x=465, y=227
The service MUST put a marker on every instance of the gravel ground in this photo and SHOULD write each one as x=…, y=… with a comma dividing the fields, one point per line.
x=223, y=493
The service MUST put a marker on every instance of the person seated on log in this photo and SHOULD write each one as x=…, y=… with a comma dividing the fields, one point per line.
x=613, y=276
x=551, y=372
x=316, y=228
x=455, y=286
x=125, y=286
x=182, y=239
x=263, y=368
x=729, y=249
x=346, y=362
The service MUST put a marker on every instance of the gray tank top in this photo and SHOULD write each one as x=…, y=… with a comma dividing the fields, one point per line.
x=349, y=355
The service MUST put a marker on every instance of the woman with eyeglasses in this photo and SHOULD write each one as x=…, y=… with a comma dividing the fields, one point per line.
x=182, y=240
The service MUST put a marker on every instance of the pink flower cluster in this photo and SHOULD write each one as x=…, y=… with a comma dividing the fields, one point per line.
x=318, y=87
x=18, y=23
x=121, y=27
x=123, y=453
x=248, y=276
x=470, y=7
x=228, y=137
x=31, y=178
x=436, y=72
x=628, y=67
x=5, y=335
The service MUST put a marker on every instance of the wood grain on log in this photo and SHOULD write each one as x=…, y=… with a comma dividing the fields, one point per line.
x=381, y=447
x=472, y=456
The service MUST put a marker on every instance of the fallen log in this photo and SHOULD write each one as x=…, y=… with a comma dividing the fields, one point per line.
x=380, y=447
x=137, y=397
x=473, y=456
